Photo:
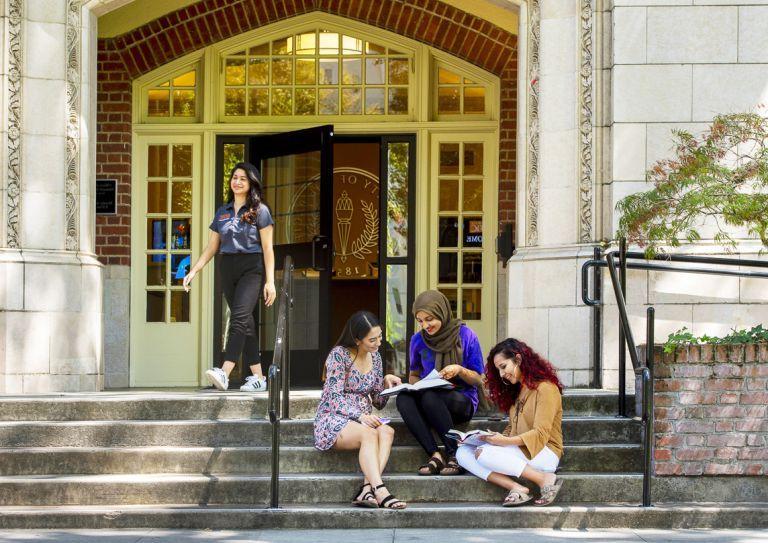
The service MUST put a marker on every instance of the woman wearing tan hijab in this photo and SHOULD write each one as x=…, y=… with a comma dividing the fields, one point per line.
x=449, y=346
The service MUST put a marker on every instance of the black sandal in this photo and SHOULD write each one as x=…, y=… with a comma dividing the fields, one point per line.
x=433, y=466
x=365, y=499
x=452, y=467
x=389, y=501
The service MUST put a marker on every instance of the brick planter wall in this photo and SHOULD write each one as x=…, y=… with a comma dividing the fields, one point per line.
x=711, y=408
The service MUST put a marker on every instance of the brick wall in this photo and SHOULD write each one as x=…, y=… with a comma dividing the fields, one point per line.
x=126, y=57
x=712, y=410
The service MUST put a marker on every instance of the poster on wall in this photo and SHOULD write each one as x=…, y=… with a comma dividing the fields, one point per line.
x=106, y=196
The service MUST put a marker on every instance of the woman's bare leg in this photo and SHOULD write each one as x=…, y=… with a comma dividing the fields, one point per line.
x=506, y=482
x=358, y=436
x=386, y=437
x=541, y=478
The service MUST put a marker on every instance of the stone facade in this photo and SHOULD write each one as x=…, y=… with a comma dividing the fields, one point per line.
x=711, y=413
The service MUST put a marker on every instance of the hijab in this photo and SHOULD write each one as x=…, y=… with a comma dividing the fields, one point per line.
x=446, y=343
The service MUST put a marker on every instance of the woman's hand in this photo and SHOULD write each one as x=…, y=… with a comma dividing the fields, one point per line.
x=451, y=371
x=188, y=279
x=392, y=381
x=495, y=439
x=370, y=420
x=269, y=293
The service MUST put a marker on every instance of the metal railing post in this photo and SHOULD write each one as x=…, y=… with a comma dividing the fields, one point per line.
x=274, y=419
x=597, y=323
x=648, y=414
x=286, y=358
x=622, y=337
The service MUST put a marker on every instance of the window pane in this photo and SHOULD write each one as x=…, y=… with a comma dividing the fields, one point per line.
x=453, y=297
x=234, y=71
x=233, y=153
x=472, y=268
x=448, y=100
x=258, y=71
x=305, y=71
x=234, y=102
x=351, y=71
x=447, y=264
x=180, y=265
x=262, y=49
x=397, y=199
x=181, y=197
x=449, y=158
x=473, y=195
x=448, y=232
x=282, y=102
x=350, y=102
x=329, y=71
x=182, y=161
x=306, y=44
x=375, y=49
x=180, y=236
x=473, y=159
x=159, y=104
x=473, y=232
x=374, y=101
x=329, y=101
x=449, y=195
x=282, y=71
x=329, y=43
x=474, y=100
x=185, y=80
x=470, y=304
x=157, y=161
x=398, y=101
x=179, y=306
x=374, y=71
x=283, y=46
x=447, y=77
x=183, y=103
x=398, y=71
x=156, y=270
x=157, y=197
x=351, y=46
x=396, y=320
x=258, y=101
x=156, y=306
x=157, y=234
x=306, y=100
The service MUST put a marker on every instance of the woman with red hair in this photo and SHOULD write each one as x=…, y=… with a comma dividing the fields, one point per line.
x=525, y=384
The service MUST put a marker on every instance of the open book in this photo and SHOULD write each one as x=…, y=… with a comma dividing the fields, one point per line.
x=431, y=380
x=469, y=438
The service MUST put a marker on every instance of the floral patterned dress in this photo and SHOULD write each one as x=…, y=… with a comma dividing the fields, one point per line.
x=347, y=394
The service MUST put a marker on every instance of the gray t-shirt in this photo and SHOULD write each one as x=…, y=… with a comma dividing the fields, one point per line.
x=237, y=235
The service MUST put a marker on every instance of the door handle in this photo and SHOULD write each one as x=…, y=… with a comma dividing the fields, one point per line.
x=315, y=241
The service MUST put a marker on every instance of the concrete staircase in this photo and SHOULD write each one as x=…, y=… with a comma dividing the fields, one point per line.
x=201, y=459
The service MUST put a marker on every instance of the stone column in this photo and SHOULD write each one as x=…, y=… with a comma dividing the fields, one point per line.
x=50, y=280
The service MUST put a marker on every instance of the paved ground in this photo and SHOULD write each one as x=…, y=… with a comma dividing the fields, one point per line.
x=387, y=536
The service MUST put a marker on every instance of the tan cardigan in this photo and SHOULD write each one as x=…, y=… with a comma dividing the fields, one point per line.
x=539, y=422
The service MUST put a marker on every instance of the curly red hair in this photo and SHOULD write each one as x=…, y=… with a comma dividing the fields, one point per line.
x=533, y=368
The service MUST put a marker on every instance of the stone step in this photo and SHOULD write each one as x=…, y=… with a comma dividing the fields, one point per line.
x=207, y=404
x=257, y=460
x=428, y=515
x=236, y=433
x=152, y=489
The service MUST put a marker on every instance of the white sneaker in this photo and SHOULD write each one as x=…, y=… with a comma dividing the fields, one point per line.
x=218, y=378
x=254, y=384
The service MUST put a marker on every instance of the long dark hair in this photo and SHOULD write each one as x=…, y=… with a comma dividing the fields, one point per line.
x=533, y=368
x=254, y=197
x=355, y=329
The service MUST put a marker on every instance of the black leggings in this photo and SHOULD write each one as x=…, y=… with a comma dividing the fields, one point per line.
x=437, y=409
x=241, y=280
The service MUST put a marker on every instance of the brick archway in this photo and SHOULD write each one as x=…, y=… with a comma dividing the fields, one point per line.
x=124, y=58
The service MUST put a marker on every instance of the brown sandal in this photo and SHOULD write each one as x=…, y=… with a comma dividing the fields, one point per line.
x=549, y=493
x=433, y=467
x=516, y=498
x=452, y=467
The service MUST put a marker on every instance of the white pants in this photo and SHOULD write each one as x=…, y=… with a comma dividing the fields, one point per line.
x=509, y=460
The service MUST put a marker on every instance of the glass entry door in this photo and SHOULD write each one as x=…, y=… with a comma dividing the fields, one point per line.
x=297, y=173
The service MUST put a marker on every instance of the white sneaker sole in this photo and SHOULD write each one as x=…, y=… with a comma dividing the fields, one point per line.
x=213, y=379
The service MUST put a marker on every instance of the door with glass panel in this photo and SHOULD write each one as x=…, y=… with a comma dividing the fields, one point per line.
x=297, y=173
x=164, y=346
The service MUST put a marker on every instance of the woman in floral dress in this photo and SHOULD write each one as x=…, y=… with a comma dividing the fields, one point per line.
x=353, y=381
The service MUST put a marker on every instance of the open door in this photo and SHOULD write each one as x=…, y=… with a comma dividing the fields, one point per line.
x=297, y=172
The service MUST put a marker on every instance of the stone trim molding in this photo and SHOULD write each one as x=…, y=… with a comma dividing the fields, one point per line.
x=71, y=199
x=586, y=115
x=13, y=188
x=532, y=125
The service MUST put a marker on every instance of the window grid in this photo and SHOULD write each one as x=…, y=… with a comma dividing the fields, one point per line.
x=176, y=97
x=459, y=95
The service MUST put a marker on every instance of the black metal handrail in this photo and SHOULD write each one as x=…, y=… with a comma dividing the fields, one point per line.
x=279, y=376
x=644, y=369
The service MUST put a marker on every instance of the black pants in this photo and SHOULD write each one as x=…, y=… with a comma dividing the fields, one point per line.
x=437, y=409
x=242, y=278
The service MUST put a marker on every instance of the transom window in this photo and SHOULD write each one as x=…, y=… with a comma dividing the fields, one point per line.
x=316, y=73
x=458, y=95
x=175, y=97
